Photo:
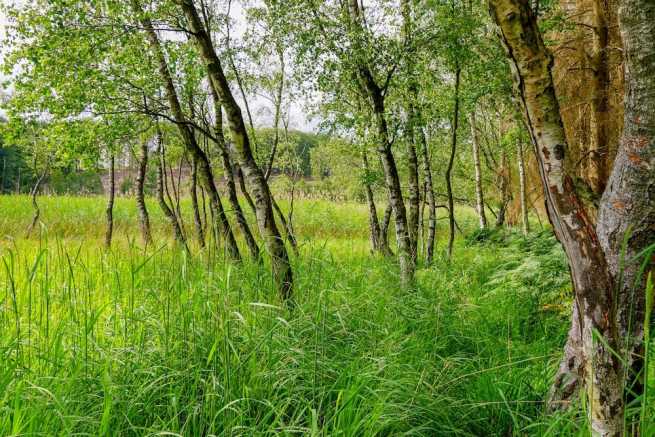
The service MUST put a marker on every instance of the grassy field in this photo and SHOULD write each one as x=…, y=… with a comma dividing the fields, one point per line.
x=136, y=341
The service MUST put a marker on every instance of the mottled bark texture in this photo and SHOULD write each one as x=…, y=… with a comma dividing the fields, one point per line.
x=479, y=196
x=376, y=99
x=144, y=217
x=229, y=177
x=193, y=192
x=190, y=142
x=282, y=273
x=111, y=195
x=35, y=205
x=451, y=161
x=627, y=209
x=593, y=284
x=413, y=123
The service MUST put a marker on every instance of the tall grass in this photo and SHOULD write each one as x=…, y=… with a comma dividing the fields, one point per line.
x=136, y=341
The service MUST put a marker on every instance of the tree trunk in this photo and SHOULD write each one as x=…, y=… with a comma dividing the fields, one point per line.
x=376, y=98
x=144, y=218
x=276, y=117
x=168, y=212
x=204, y=167
x=413, y=197
x=600, y=107
x=197, y=221
x=379, y=241
x=449, y=169
x=35, y=204
x=231, y=186
x=627, y=211
x=523, y=191
x=479, y=197
x=286, y=225
x=109, y=211
x=280, y=263
x=592, y=281
x=432, y=205
x=503, y=182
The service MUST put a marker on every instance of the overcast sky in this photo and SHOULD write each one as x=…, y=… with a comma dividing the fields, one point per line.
x=260, y=107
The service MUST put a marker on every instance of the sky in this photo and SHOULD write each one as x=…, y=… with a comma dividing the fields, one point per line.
x=261, y=109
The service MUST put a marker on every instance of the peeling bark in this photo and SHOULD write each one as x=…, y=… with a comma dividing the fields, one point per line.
x=593, y=284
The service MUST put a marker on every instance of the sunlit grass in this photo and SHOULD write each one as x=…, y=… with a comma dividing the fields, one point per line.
x=136, y=341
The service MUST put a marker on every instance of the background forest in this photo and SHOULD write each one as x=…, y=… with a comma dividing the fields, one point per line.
x=344, y=217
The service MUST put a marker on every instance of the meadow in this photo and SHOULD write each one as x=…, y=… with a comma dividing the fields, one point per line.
x=153, y=341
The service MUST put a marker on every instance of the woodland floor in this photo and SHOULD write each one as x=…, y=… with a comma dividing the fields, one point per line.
x=155, y=342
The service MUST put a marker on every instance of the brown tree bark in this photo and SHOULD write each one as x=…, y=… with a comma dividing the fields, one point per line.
x=204, y=167
x=626, y=216
x=109, y=211
x=503, y=182
x=596, y=302
x=479, y=195
x=600, y=86
x=280, y=263
x=144, y=217
x=379, y=241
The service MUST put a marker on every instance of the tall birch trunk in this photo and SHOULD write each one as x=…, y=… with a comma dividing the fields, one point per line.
x=280, y=262
x=376, y=99
x=144, y=217
x=592, y=278
x=204, y=167
x=229, y=176
x=193, y=191
x=449, y=169
x=523, y=190
x=479, y=196
x=109, y=210
x=168, y=212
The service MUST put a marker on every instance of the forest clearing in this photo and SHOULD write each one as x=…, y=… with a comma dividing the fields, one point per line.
x=327, y=218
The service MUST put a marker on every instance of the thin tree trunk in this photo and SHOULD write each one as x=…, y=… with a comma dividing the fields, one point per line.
x=376, y=99
x=109, y=211
x=449, y=169
x=600, y=107
x=264, y=201
x=231, y=186
x=286, y=225
x=276, y=117
x=592, y=280
x=413, y=197
x=503, y=181
x=200, y=232
x=479, y=197
x=168, y=212
x=523, y=190
x=432, y=205
x=144, y=218
x=373, y=223
x=204, y=167
x=35, y=204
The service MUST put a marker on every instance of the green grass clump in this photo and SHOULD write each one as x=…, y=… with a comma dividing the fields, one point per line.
x=136, y=341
